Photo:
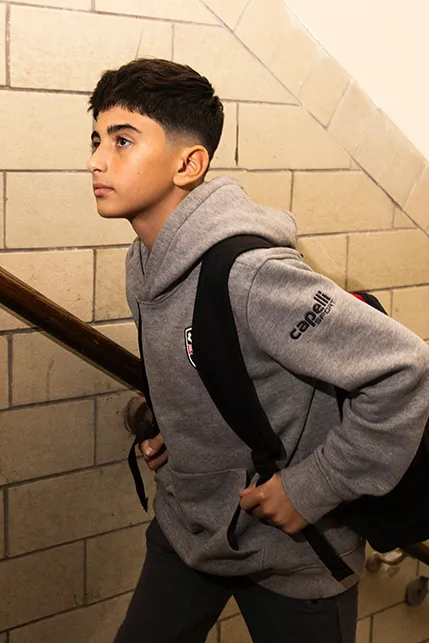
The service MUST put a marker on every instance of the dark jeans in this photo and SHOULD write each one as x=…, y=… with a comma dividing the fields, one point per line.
x=176, y=604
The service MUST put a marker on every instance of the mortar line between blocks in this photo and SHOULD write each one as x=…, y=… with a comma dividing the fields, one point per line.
x=249, y=101
x=44, y=90
x=6, y=522
x=17, y=3
x=292, y=187
x=356, y=233
x=237, y=133
x=67, y=400
x=218, y=632
x=173, y=35
x=94, y=282
x=4, y=206
x=43, y=171
x=70, y=472
x=248, y=3
x=393, y=216
x=219, y=168
x=9, y=339
x=95, y=413
x=346, y=273
x=70, y=610
x=96, y=324
x=384, y=609
x=327, y=126
x=67, y=543
x=63, y=248
x=268, y=170
x=116, y=14
x=85, y=573
x=230, y=617
x=87, y=92
x=164, y=20
x=7, y=46
x=139, y=45
x=392, y=289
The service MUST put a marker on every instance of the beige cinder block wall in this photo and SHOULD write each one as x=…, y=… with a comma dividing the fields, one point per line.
x=394, y=55
x=298, y=134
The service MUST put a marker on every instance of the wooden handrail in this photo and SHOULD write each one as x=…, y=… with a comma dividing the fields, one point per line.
x=69, y=330
x=94, y=347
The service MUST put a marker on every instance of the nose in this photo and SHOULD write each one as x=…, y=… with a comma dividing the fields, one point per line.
x=97, y=162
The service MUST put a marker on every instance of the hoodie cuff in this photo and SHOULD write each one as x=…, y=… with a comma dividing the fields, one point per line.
x=309, y=491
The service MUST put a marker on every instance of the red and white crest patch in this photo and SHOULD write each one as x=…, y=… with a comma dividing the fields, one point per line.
x=188, y=345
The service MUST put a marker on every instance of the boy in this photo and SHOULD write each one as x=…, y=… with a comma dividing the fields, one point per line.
x=158, y=125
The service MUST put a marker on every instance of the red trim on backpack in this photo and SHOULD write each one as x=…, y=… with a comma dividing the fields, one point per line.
x=358, y=297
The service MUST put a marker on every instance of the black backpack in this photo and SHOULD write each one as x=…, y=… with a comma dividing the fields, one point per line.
x=397, y=519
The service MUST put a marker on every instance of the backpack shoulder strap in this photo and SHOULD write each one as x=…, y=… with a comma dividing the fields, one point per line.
x=218, y=358
x=150, y=431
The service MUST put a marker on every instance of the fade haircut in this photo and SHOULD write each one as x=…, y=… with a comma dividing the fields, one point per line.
x=175, y=96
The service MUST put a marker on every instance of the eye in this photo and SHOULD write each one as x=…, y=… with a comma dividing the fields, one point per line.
x=94, y=144
x=122, y=142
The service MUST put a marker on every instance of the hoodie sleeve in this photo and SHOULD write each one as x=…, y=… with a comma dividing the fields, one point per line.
x=315, y=329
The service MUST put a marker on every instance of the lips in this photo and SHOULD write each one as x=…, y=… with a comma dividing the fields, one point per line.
x=101, y=190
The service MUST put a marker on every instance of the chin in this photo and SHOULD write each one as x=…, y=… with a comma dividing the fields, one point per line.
x=109, y=214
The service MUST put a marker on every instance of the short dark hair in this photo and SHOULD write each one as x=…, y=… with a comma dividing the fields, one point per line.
x=175, y=96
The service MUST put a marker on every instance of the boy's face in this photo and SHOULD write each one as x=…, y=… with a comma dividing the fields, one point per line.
x=132, y=165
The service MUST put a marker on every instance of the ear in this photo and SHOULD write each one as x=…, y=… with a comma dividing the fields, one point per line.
x=193, y=164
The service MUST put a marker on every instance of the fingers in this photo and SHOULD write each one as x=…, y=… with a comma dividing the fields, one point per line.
x=249, y=489
x=157, y=442
x=269, y=502
x=255, y=503
x=250, y=498
x=149, y=448
x=157, y=462
x=145, y=448
x=154, y=452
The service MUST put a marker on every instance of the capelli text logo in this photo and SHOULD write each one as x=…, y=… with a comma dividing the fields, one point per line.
x=322, y=307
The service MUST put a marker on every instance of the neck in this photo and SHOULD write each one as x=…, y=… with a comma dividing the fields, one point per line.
x=149, y=223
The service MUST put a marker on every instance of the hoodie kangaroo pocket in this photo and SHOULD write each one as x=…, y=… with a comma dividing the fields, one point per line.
x=208, y=505
x=208, y=501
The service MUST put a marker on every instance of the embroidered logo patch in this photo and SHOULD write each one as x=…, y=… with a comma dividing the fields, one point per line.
x=188, y=345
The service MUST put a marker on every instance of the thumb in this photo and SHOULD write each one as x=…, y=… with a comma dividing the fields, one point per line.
x=245, y=492
x=146, y=448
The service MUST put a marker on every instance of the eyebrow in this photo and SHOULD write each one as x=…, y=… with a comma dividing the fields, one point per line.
x=113, y=129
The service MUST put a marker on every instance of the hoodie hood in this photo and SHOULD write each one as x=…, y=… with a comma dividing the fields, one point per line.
x=210, y=213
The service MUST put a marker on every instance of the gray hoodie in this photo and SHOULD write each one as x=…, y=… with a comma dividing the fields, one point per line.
x=301, y=335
